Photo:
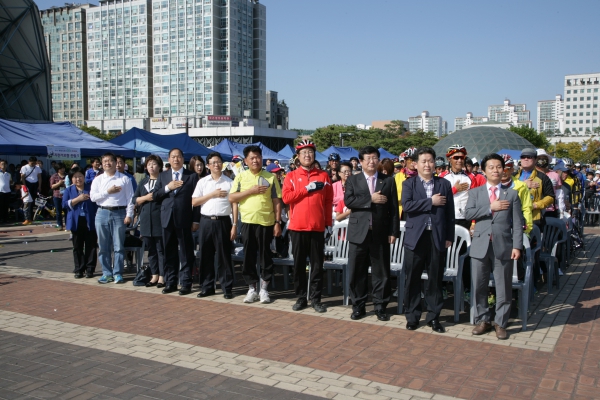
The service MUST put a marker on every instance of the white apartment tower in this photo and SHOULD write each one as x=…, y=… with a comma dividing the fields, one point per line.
x=65, y=36
x=460, y=123
x=176, y=60
x=550, y=115
x=428, y=123
x=581, y=103
x=514, y=114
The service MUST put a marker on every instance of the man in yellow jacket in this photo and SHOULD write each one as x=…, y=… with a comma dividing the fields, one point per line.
x=539, y=185
x=409, y=170
x=521, y=188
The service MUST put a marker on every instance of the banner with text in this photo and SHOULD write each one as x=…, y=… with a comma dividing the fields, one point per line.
x=63, y=153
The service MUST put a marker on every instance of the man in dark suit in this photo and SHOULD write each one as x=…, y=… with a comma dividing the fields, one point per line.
x=497, y=241
x=373, y=225
x=429, y=207
x=175, y=189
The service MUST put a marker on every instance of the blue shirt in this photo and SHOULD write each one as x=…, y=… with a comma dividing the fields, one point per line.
x=525, y=175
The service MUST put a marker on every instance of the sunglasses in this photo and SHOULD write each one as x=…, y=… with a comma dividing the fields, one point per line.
x=527, y=157
x=458, y=158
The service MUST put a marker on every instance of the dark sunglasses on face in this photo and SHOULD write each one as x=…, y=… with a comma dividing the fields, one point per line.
x=527, y=157
x=458, y=158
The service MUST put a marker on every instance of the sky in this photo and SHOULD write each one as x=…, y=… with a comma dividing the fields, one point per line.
x=353, y=62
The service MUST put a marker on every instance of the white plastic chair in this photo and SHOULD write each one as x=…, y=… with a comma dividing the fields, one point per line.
x=339, y=246
x=396, y=264
x=455, y=266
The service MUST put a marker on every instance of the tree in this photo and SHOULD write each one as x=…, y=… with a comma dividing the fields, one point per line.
x=328, y=136
x=567, y=131
x=537, y=139
x=586, y=152
x=597, y=130
x=396, y=127
x=92, y=130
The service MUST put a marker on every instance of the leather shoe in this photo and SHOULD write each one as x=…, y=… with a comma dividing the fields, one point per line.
x=169, y=289
x=206, y=293
x=381, y=315
x=436, y=326
x=89, y=275
x=318, y=306
x=228, y=295
x=184, y=291
x=150, y=284
x=160, y=285
x=79, y=275
x=411, y=326
x=481, y=328
x=501, y=333
x=358, y=314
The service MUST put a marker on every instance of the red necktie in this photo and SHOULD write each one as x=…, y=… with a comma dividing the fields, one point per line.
x=492, y=199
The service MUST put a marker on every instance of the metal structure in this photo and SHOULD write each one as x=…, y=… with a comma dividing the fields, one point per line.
x=269, y=141
x=24, y=66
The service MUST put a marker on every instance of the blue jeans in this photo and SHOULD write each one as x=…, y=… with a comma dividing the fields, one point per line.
x=59, y=211
x=110, y=227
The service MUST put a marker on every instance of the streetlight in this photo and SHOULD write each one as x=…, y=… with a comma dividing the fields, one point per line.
x=342, y=135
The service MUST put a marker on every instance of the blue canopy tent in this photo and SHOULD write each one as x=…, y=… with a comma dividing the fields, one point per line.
x=345, y=152
x=20, y=138
x=289, y=152
x=144, y=143
x=383, y=153
x=228, y=148
x=514, y=154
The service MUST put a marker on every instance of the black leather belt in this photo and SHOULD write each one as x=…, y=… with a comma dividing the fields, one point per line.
x=216, y=216
x=114, y=208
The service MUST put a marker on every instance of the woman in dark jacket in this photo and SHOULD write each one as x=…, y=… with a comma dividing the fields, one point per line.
x=81, y=222
x=150, y=227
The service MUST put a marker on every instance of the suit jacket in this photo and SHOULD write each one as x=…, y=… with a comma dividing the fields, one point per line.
x=506, y=227
x=385, y=216
x=177, y=204
x=150, y=213
x=418, y=208
x=88, y=206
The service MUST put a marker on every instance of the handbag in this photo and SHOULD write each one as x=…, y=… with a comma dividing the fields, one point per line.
x=143, y=276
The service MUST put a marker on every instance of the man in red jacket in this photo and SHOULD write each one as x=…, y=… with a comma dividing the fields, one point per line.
x=308, y=192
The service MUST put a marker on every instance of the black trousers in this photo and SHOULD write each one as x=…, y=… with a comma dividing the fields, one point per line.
x=466, y=277
x=179, y=255
x=425, y=257
x=311, y=245
x=257, y=242
x=4, y=203
x=156, y=254
x=215, y=243
x=85, y=248
x=375, y=253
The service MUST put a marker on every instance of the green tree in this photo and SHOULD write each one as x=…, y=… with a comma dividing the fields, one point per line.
x=92, y=130
x=537, y=139
x=396, y=127
x=567, y=131
x=597, y=130
x=328, y=136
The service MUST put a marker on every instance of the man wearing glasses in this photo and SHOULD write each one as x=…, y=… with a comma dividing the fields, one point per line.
x=216, y=229
x=372, y=226
x=540, y=186
x=307, y=190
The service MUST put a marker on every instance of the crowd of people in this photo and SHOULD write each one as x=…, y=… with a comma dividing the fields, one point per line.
x=179, y=210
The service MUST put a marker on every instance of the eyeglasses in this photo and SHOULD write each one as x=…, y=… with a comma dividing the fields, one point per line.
x=306, y=152
x=527, y=157
x=368, y=160
x=458, y=158
x=216, y=163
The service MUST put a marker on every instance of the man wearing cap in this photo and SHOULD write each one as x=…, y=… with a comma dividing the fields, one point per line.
x=563, y=172
x=542, y=165
x=276, y=170
x=409, y=171
x=308, y=192
x=539, y=185
x=509, y=182
x=397, y=167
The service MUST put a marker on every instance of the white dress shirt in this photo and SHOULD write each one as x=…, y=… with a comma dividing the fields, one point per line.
x=99, y=191
x=180, y=172
x=219, y=206
x=489, y=192
x=4, y=182
x=31, y=177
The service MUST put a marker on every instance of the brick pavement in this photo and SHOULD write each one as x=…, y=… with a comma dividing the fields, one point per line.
x=375, y=352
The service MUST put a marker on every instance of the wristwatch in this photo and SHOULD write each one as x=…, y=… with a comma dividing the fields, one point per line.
x=279, y=222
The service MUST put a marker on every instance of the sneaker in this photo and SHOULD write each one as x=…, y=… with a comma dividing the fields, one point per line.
x=252, y=296
x=264, y=296
x=301, y=304
x=27, y=222
x=445, y=294
x=318, y=306
x=560, y=273
x=119, y=279
x=106, y=279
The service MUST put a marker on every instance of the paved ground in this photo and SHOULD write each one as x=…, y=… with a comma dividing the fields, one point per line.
x=298, y=353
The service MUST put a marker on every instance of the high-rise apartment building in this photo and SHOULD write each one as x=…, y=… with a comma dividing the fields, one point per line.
x=460, y=122
x=278, y=112
x=581, y=103
x=550, y=115
x=428, y=123
x=65, y=35
x=514, y=114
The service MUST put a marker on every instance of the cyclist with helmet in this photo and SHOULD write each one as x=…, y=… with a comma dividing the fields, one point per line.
x=409, y=171
x=308, y=192
x=333, y=166
x=440, y=166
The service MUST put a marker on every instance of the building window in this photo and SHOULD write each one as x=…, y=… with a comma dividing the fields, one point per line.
x=568, y=92
x=568, y=114
x=581, y=121
x=589, y=90
x=568, y=107
x=568, y=99
x=568, y=122
x=581, y=99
